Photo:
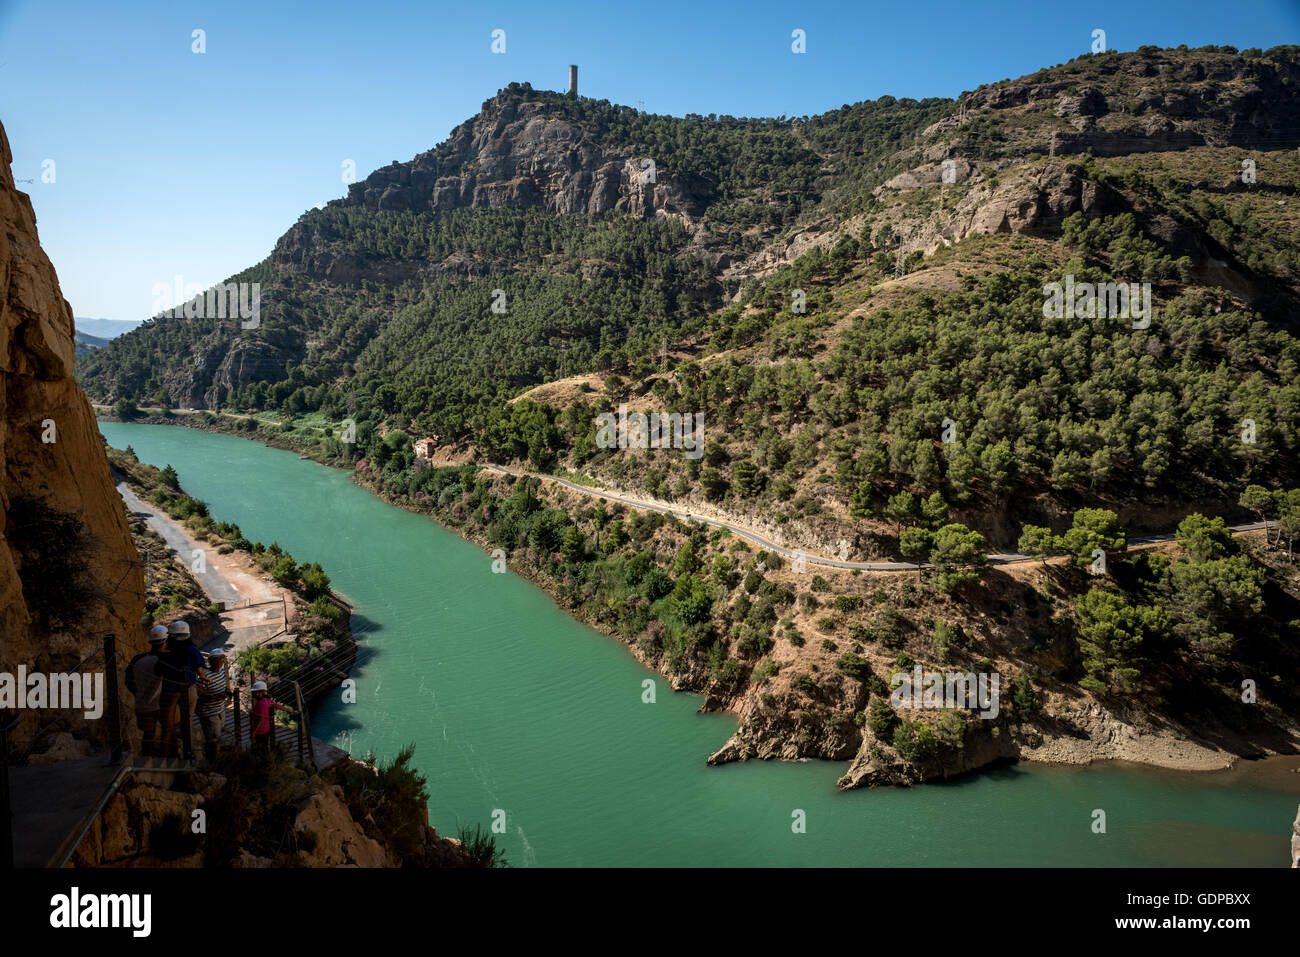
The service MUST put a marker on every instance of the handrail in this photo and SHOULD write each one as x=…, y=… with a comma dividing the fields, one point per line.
x=305, y=750
x=71, y=843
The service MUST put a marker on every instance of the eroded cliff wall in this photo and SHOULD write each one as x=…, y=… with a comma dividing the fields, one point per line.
x=68, y=570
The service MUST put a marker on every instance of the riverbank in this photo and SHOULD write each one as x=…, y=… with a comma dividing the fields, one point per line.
x=277, y=620
x=512, y=705
x=1044, y=722
x=799, y=674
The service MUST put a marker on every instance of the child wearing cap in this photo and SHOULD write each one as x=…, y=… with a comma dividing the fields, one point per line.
x=259, y=719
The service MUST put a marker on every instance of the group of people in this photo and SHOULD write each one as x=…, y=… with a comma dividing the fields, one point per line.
x=173, y=681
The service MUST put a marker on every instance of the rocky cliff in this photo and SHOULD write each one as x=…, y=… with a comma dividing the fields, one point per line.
x=68, y=570
x=291, y=819
x=1146, y=101
x=1295, y=841
x=519, y=151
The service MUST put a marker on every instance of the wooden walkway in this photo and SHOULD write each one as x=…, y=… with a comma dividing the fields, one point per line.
x=322, y=755
x=54, y=804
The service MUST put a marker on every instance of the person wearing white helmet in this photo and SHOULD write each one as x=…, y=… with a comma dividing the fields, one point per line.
x=212, y=703
x=261, y=722
x=145, y=683
x=182, y=669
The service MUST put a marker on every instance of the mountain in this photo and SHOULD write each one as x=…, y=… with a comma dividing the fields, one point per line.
x=532, y=245
x=86, y=344
x=104, y=328
x=868, y=308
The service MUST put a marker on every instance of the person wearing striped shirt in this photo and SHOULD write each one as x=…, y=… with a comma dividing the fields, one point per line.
x=211, y=706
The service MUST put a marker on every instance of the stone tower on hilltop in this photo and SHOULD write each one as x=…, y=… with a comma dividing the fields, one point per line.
x=573, y=80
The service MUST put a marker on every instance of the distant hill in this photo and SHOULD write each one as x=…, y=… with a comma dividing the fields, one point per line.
x=104, y=328
x=87, y=344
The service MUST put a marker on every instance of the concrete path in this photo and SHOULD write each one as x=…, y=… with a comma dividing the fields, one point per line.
x=254, y=608
x=183, y=547
x=52, y=801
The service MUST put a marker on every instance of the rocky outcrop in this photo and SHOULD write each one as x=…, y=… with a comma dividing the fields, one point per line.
x=1034, y=203
x=879, y=765
x=783, y=732
x=290, y=819
x=142, y=825
x=1295, y=841
x=68, y=570
x=326, y=827
x=521, y=150
x=221, y=366
x=1121, y=103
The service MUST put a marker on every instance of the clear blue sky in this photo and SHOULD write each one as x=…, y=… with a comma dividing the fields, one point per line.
x=169, y=162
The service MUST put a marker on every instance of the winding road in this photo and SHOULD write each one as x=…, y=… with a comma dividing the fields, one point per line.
x=213, y=583
x=254, y=610
x=748, y=534
x=994, y=558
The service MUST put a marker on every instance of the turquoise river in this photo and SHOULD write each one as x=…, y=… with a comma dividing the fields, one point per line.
x=514, y=706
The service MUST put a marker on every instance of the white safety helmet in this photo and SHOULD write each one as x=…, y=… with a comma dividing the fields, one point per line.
x=259, y=685
x=157, y=634
x=179, y=627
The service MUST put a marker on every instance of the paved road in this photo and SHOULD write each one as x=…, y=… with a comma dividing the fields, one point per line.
x=994, y=558
x=216, y=587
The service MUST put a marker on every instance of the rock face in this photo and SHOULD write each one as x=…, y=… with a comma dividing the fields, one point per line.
x=68, y=570
x=290, y=819
x=518, y=152
x=521, y=152
x=1160, y=102
x=1295, y=841
x=219, y=368
x=335, y=839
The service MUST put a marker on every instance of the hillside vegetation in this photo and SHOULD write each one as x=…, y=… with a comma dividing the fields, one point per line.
x=859, y=305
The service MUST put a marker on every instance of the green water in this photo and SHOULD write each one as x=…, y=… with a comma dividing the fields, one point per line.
x=512, y=705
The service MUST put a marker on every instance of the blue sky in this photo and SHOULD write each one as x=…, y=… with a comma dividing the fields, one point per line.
x=169, y=162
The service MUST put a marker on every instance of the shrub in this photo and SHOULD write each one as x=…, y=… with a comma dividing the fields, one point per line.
x=881, y=719
x=804, y=683
x=855, y=666
x=847, y=603
x=915, y=741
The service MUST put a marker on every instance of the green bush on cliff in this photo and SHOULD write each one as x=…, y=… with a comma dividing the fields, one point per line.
x=915, y=741
x=855, y=666
x=881, y=718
